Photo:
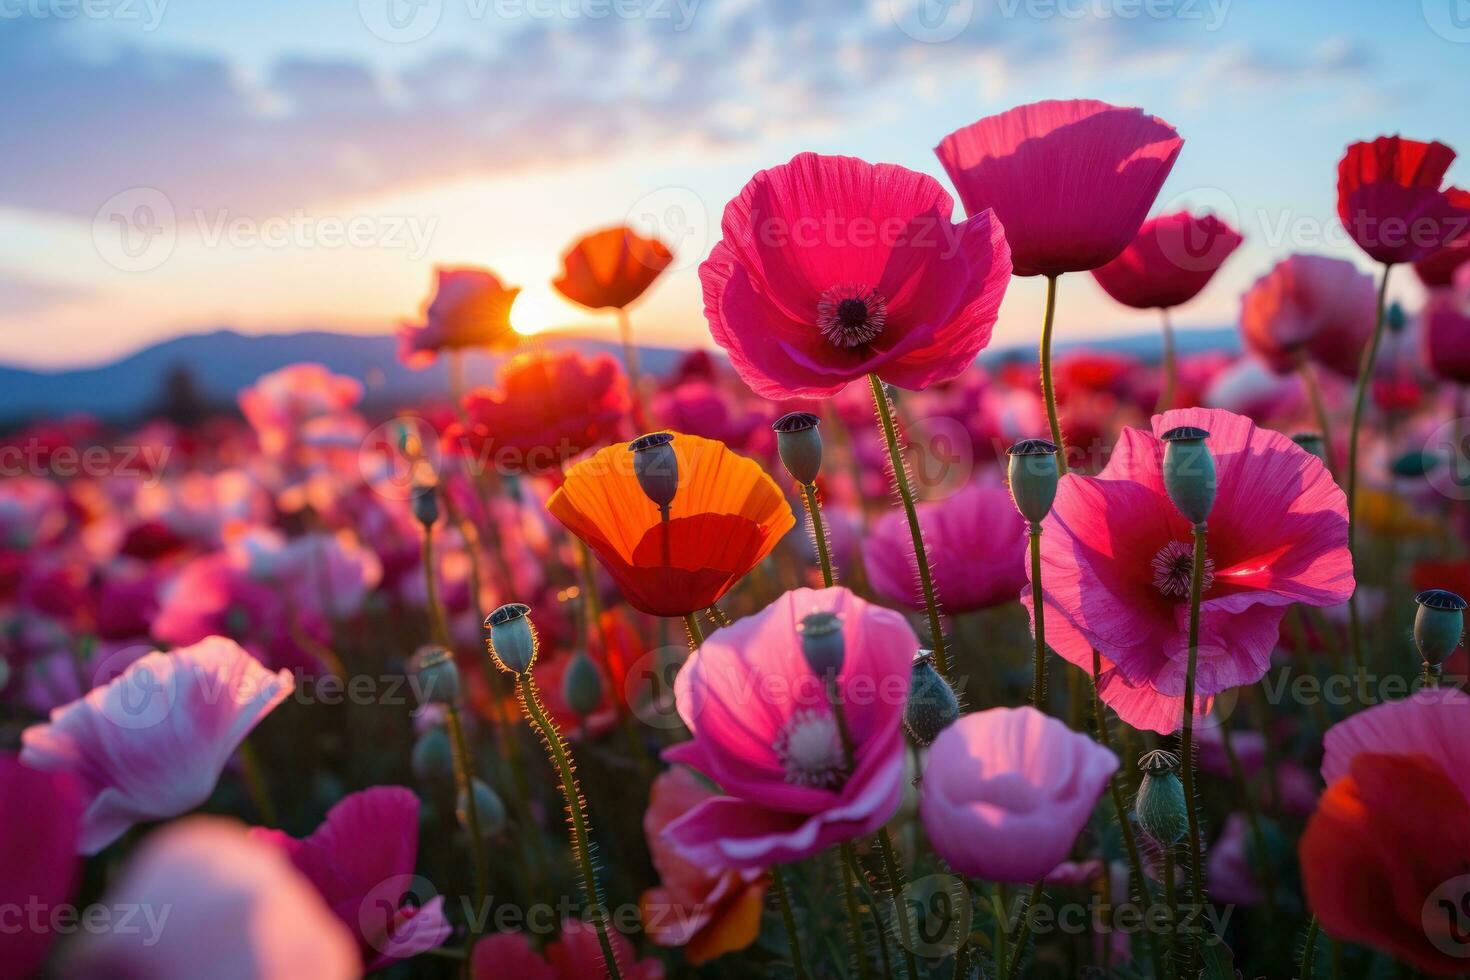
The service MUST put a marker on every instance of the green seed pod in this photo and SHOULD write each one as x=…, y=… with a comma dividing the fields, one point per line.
x=435, y=675
x=426, y=503
x=1313, y=443
x=1033, y=477
x=4, y=673
x=1189, y=472
x=582, y=685
x=800, y=445
x=822, y=643
x=657, y=467
x=433, y=757
x=932, y=706
x=1438, y=625
x=1415, y=463
x=512, y=637
x=1395, y=318
x=1160, y=804
x=489, y=810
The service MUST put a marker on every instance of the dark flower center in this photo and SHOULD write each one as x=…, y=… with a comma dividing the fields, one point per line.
x=850, y=315
x=1173, y=567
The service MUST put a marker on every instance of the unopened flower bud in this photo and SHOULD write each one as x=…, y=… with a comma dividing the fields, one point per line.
x=1438, y=624
x=822, y=643
x=1189, y=472
x=425, y=503
x=1395, y=318
x=1414, y=463
x=1033, y=477
x=512, y=637
x=1313, y=443
x=799, y=443
x=489, y=810
x=932, y=706
x=657, y=467
x=1160, y=805
x=436, y=677
x=582, y=685
x=433, y=758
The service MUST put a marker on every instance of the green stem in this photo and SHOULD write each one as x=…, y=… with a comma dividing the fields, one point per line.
x=560, y=755
x=1170, y=365
x=894, y=879
x=962, y=961
x=1018, y=948
x=1038, y=682
x=906, y=494
x=1002, y=927
x=879, y=929
x=1309, y=951
x=814, y=511
x=630, y=364
x=693, y=631
x=1253, y=819
x=1196, y=578
x=464, y=772
x=1048, y=393
x=1360, y=398
x=793, y=938
x=438, y=625
x=854, y=916
x=1319, y=408
x=255, y=784
x=1171, y=909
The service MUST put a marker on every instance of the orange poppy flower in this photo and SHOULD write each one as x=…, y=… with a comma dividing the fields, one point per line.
x=726, y=515
x=611, y=268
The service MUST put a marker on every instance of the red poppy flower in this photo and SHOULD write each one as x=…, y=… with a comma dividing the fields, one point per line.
x=546, y=408
x=471, y=308
x=1169, y=261
x=726, y=516
x=611, y=268
x=1390, y=200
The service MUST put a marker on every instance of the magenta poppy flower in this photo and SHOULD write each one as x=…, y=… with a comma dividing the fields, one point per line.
x=214, y=903
x=1446, y=336
x=764, y=733
x=576, y=955
x=1390, y=198
x=832, y=268
x=152, y=742
x=1116, y=564
x=361, y=860
x=1006, y=792
x=976, y=543
x=1071, y=180
x=1439, y=268
x=38, y=850
x=1169, y=261
x=1312, y=308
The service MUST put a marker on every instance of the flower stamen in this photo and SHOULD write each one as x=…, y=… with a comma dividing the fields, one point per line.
x=1174, y=566
x=850, y=315
x=810, y=750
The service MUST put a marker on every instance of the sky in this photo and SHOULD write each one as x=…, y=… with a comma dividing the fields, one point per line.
x=177, y=166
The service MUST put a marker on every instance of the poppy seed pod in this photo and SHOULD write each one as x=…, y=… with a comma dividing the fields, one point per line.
x=1160, y=805
x=656, y=467
x=1395, y=318
x=435, y=675
x=425, y=503
x=433, y=758
x=582, y=685
x=1413, y=464
x=512, y=637
x=800, y=445
x=489, y=810
x=1189, y=472
x=1313, y=443
x=1438, y=624
x=1033, y=477
x=822, y=643
x=932, y=706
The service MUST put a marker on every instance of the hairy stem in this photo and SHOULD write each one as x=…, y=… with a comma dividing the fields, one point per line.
x=1048, y=393
x=814, y=511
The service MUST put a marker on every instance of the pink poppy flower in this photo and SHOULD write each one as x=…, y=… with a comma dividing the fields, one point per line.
x=832, y=268
x=976, y=542
x=1446, y=335
x=1312, y=308
x=38, y=850
x=577, y=955
x=705, y=913
x=215, y=903
x=1071, y=180
x=151, y=743
x=1169, y=261
x=1006, y=792
x=284, y=406
x=1116, y=558
x=764, y=733
x=361, y=860
x=700, y=408
x=1231, y=874
x=1438, y=269
x=470, y=308
x=1390, y=200
x=326, y=575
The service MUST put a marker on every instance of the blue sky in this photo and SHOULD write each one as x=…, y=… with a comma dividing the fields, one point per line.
x=177, y=165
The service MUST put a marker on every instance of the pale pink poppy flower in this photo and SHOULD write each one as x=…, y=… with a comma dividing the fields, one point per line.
x=1309, y=308
x=763, y=731
x=151, y=743
x=361, y=859
x=1006, y=792
x=215, y=903
x=38, y=850
x=976, y=543
x=284, y=406
x=327, y=574
x=1431, y=722
x=1116, y=557
x=1071, y=180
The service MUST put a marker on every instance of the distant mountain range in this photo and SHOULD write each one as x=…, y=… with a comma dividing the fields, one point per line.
x=221, y=363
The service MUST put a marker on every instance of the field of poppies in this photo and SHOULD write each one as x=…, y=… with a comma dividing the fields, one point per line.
x=846, y=652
